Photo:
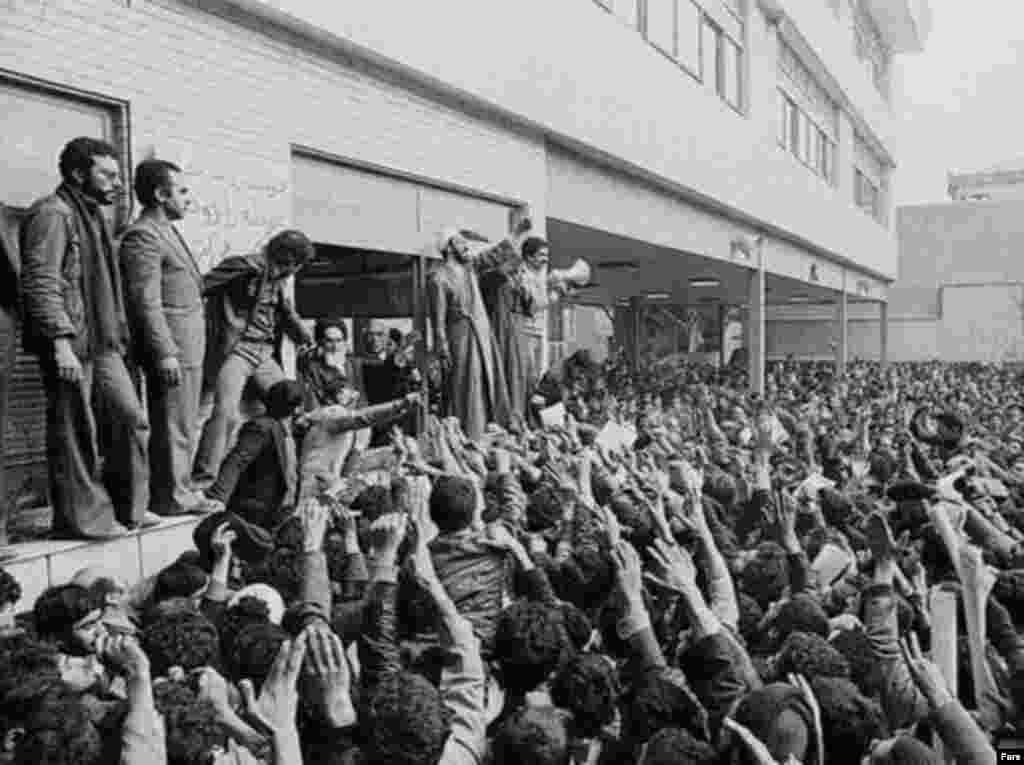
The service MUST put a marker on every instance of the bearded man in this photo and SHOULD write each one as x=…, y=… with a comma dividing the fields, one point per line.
x=474, y=389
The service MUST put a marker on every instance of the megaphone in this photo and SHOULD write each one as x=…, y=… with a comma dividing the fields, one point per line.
x=577, y=275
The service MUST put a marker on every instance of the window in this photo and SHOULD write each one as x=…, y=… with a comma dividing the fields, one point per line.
x=721, y=67
x=871, y=49
x=688, y=29
x=661, y=25
x=866, y=194
x=730, y=90
x=802, y=137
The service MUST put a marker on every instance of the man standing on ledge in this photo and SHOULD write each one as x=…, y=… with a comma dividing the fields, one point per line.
x=475, y=390
x=164, y=292
x=247, y=310
x=77, y=325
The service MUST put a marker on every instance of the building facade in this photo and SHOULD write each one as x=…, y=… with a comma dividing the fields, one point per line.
x=725, y=152
x=998, y=183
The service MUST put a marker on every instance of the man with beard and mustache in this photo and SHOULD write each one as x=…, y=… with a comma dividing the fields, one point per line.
x=77, y=325
x=475, y=389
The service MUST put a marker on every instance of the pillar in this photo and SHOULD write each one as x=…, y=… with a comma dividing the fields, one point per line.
x=636, y=305
x=883, y=333
x=755, y=330
x=841, y=333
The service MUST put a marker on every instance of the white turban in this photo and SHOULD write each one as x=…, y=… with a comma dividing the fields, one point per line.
x=445, y=236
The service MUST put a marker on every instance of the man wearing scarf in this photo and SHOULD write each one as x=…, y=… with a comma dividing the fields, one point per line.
x=76, y=324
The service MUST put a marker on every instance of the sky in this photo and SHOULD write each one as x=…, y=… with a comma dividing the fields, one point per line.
x=960, y=106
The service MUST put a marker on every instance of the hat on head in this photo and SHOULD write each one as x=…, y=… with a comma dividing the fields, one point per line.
x=252, y=543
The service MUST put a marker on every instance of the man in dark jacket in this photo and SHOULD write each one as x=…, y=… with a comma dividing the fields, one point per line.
x=77, y=325
x=247, y=310
x=164, y=293
x=260, y=475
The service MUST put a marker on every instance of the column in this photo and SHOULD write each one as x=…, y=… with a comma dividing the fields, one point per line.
x=755, y=330
x=883, y=334
x=636, y=305
x=841, y=333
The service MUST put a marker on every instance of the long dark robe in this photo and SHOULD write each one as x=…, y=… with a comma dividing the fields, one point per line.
x=510, y=309
x=475, y=390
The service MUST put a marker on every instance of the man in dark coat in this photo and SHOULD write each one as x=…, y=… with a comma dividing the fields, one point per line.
x=76, y=323
x=247, y=311
x=164, y=293
x=259, y=477
x=475, y=389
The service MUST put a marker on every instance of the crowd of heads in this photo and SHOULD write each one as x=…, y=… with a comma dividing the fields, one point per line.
x=682, y=572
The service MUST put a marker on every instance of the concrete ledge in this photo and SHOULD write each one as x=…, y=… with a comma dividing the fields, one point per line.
x=134, y=557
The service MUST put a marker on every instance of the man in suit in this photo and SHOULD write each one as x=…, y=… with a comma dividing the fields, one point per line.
x=260, y=475
x=164, y=295
x=247, y=311
x=75, y=321
x=10, y=268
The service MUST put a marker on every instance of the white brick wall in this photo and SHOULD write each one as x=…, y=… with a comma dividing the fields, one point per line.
x=228, y=103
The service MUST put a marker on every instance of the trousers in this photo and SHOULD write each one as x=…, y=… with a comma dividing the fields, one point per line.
x=221, y=428
x=97, y=437
x=174, y=424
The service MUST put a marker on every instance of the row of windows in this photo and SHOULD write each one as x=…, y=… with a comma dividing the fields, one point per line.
x=686, y=33
x=802, y=137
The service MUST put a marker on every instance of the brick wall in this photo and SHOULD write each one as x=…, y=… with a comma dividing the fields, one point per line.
x=228, y=103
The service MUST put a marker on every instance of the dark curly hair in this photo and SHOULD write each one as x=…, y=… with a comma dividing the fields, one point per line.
x=248, y=610
x=544, y=508
x=588, y=687
x=751, y=615
x=282, y=570
x=663, y=700
x=255, y=649
x=191, y=723
x=58, y=608
x=530, y=643
x=184, y=640
x=801, y=613
x=850, y=721
x=289, y=534
x=532, y=736
x=864, y=667
x=670, y=746
x=452, y=503
x=403, y=721
x=27, y=667
x=59, y=731
x=10, y=589
x=578, y=626
x=766, y=576
x=178, y=580
x=810, y=656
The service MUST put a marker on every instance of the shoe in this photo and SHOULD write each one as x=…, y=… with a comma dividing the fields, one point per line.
x=149, y=520
x=116, y=531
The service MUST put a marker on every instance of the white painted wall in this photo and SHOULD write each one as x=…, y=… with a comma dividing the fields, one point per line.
x=577, y=73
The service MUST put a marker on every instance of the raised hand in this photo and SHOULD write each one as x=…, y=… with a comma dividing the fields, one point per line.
x=386, y=535
x=275, y=707
x=628, y=571
x=673, y=567
x=925, y=672
x=328, y=664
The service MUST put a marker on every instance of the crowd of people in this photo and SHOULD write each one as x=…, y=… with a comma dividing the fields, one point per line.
x=678, y=572
x=604, y=565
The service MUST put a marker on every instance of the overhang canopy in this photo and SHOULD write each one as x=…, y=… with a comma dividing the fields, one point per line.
x=904, y=24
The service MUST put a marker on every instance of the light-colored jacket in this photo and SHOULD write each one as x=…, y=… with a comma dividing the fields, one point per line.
x=163, y=292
